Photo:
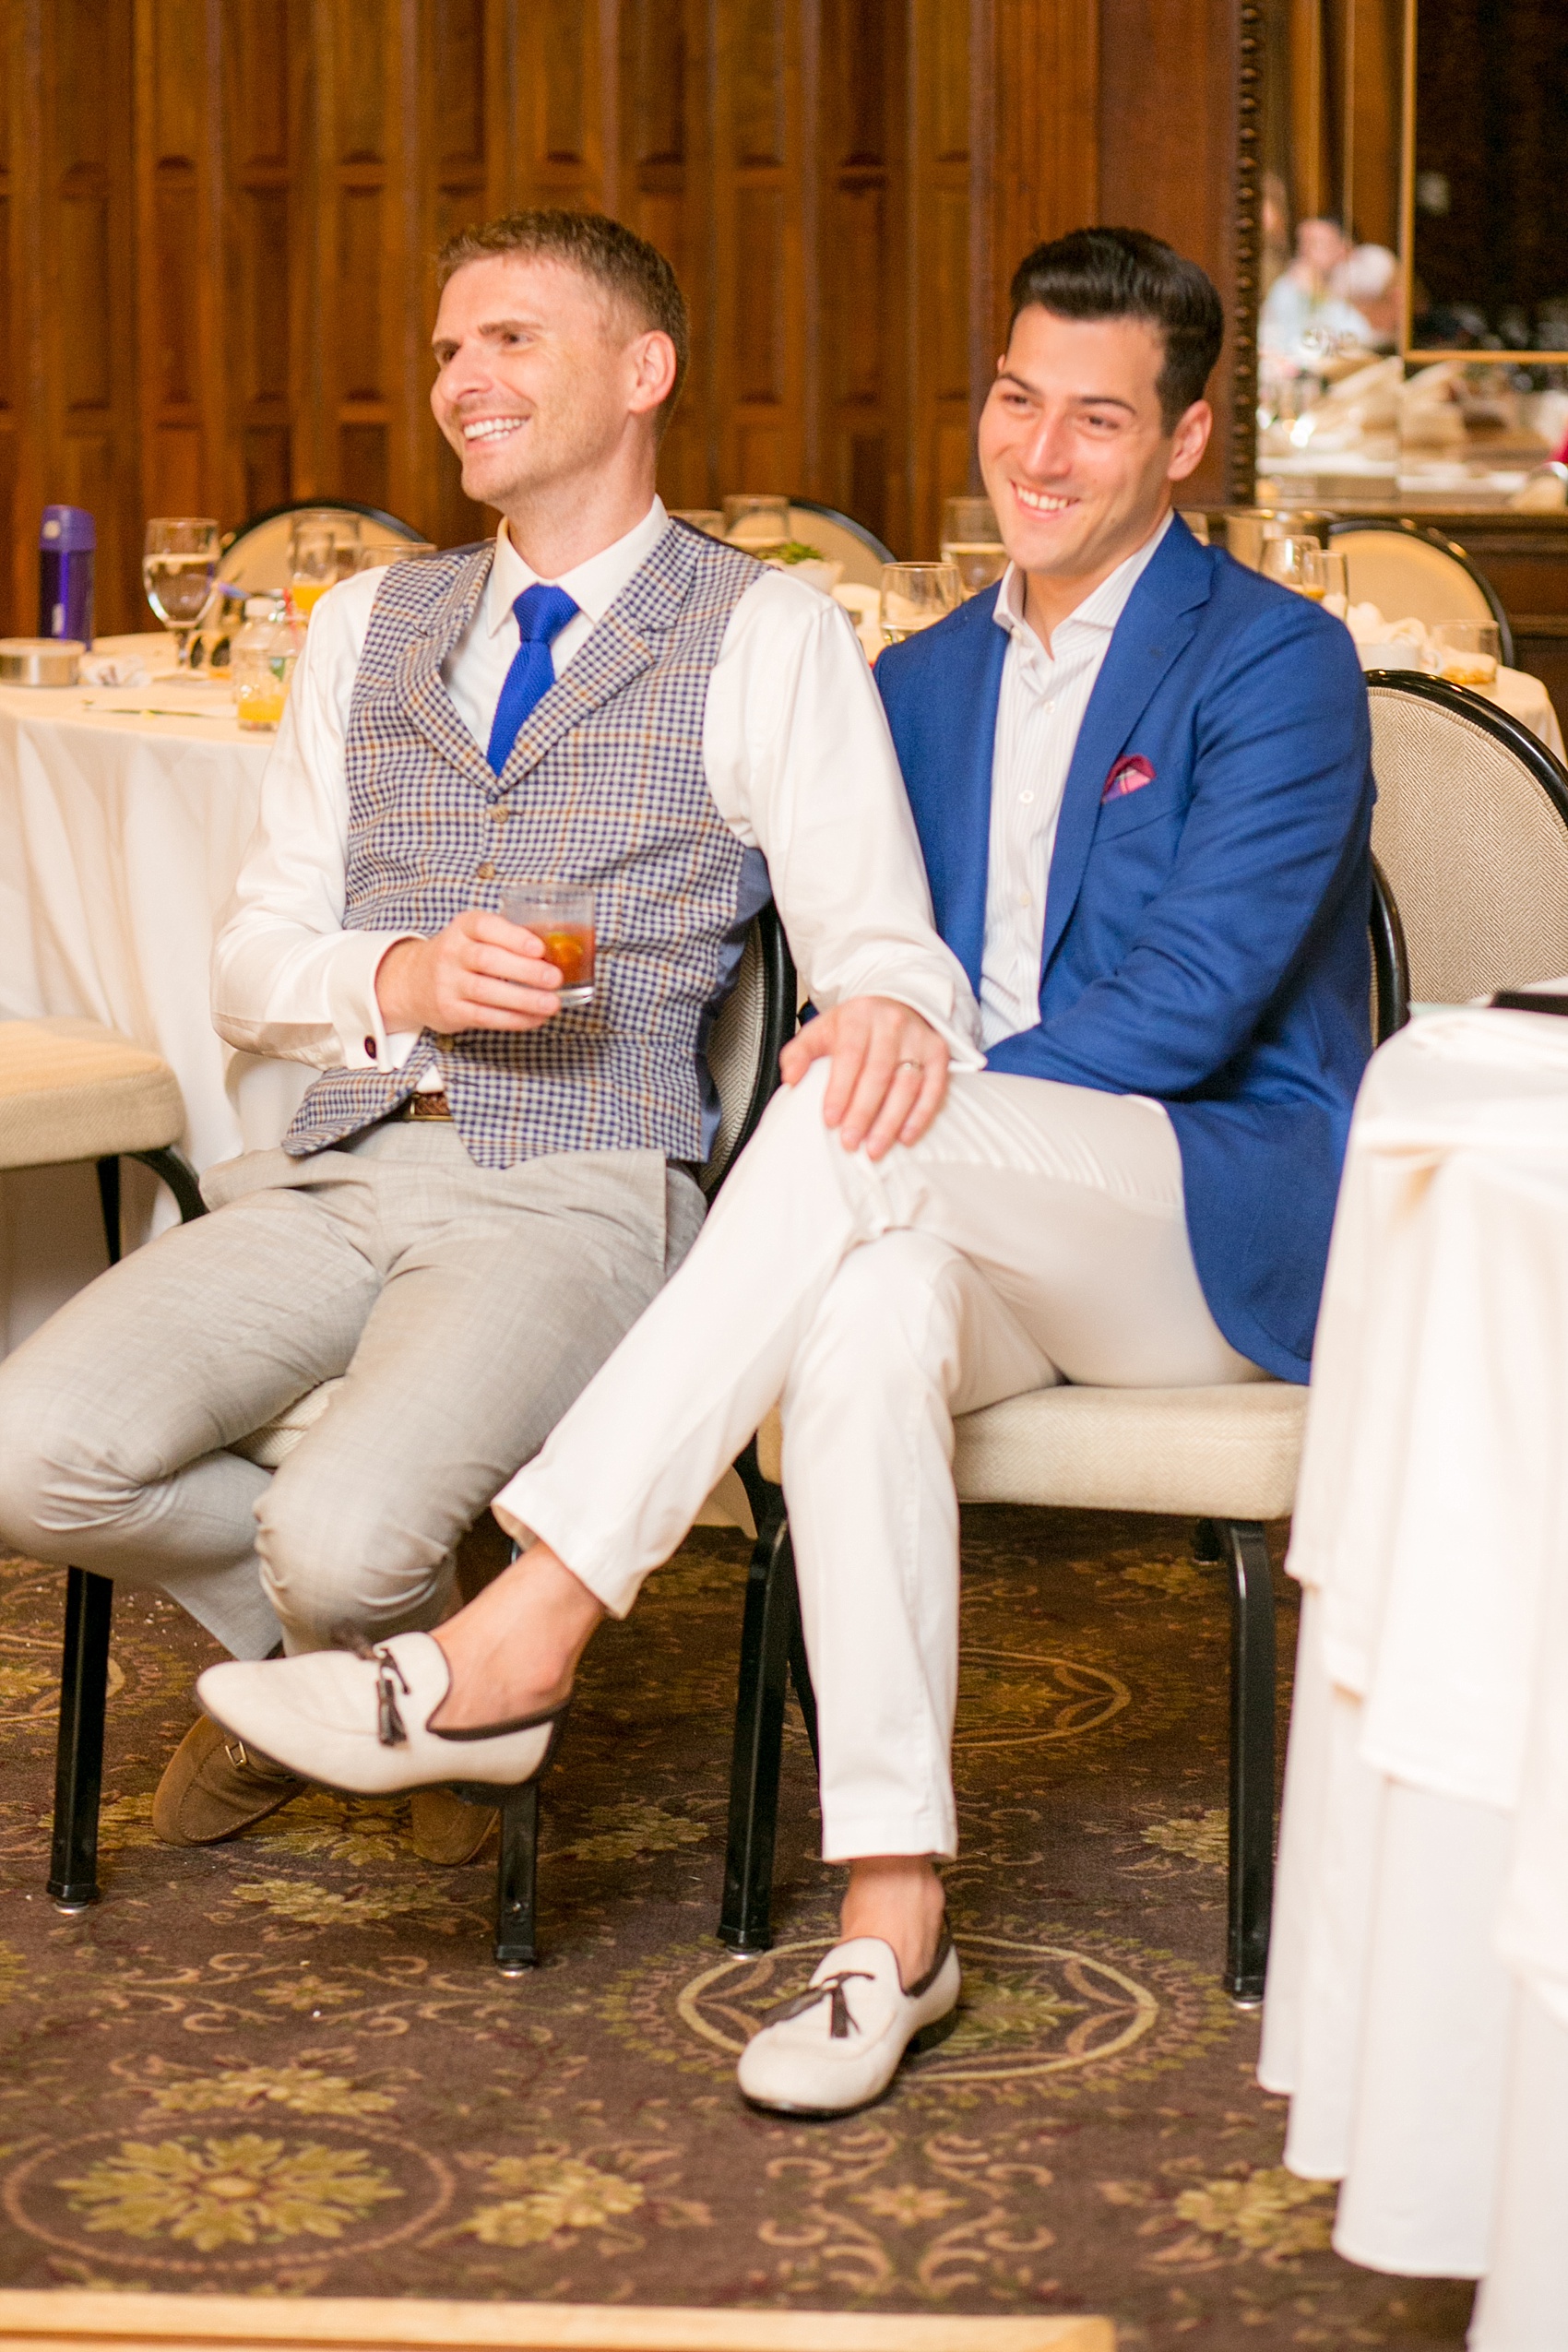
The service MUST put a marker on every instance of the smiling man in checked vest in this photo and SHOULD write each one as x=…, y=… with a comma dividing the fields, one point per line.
x=481, y=1191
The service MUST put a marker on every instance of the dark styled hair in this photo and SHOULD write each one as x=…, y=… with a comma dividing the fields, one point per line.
x=630, y=270
x=1125, y=273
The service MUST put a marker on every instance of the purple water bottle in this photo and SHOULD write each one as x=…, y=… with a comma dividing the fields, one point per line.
x=65, y=549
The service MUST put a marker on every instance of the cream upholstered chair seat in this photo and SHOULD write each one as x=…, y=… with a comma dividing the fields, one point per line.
x=72, y=1090
x=1197, y=1453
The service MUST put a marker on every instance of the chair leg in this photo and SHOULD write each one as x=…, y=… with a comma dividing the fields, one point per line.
x=79, y=1764
x=517, y=1875
x=109, y=1202
x=771, y=1617
x=801, y=1675
x=1252, y=1757
x=176, y=1171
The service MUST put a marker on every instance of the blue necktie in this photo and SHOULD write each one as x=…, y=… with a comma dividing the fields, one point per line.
x=543, y=612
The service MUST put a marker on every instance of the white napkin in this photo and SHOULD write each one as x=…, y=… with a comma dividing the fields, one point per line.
x=113, y=670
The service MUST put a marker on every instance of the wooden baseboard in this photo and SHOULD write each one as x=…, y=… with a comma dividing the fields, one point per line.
x=46, y=2321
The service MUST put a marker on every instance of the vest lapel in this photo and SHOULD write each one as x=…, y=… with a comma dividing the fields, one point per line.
x=1160, y=617
x=418, y=683
x=623, y=643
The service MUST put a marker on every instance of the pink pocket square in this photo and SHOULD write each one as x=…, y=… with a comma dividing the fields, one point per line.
x=1128, y=776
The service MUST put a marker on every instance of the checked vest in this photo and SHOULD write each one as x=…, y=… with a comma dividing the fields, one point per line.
x=604, y=786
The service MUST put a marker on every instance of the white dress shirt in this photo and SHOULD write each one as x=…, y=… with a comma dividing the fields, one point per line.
x=1044, y=697
x=796, y=754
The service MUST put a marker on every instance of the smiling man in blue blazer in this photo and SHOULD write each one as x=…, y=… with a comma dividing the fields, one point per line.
x=1205, y=935
x=1140, y=777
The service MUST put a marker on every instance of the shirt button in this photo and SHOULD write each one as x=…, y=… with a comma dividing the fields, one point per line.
x=487, y=872
x=1026, y=798
x=1023, y=897
x=499, y=816
x=370, y=1047
x=1051, y=705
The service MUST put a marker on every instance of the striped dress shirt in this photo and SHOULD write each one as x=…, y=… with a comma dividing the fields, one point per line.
x=1045, y=692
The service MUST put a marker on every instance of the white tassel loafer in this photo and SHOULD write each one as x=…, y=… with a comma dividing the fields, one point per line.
x=362, y=1722
x=837, y=2046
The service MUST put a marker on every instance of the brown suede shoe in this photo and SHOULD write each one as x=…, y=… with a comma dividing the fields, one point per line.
x=443, y=1828
x=211, y=1788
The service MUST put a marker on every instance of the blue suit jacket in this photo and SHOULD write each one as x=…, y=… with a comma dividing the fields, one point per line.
x=1205, y=933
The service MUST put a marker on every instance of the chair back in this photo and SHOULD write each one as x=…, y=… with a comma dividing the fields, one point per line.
x=1391, y=962
x=256, y=559
x=841, y=540
x=751, y=1029
x=1410, y=575
x=1470, y=830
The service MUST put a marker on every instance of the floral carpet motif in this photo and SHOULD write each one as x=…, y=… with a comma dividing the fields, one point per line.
x=286, y=2066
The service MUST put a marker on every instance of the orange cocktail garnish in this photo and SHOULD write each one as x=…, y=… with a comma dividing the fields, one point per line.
x=570, y=949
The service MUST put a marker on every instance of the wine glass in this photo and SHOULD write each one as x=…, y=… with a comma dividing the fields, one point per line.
x=970, y=540
x=178, y=566
x=915, y=596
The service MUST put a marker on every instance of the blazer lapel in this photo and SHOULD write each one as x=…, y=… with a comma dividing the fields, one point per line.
x=1155, y=627
x=956, y=827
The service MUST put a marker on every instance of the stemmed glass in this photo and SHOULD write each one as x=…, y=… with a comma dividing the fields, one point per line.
x=970, y=540
x=179, y=565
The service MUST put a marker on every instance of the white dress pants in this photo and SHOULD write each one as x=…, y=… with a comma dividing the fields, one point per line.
x=1036, y=1233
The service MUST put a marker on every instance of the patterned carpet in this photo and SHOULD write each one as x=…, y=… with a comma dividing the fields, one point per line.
x=287, y=2067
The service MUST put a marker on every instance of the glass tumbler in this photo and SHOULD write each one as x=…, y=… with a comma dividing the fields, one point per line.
x=561, y=917
x=1468, y=652
x=915, y=596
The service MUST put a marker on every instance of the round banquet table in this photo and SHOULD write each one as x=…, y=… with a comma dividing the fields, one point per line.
x=125, y=812
x=1416, y=2009
x=1526, y=698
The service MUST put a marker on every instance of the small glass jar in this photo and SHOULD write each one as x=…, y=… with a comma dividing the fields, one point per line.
x=261, y=664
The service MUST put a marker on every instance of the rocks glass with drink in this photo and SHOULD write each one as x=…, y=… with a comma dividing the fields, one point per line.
x=179, y=565
x=915, y=596
x=561, y=918
x=1466, y=652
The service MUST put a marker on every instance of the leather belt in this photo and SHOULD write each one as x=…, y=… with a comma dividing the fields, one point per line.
x=424, y=1105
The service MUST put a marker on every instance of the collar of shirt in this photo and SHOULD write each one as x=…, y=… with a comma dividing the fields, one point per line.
x=593, y=586
x=1100, y=609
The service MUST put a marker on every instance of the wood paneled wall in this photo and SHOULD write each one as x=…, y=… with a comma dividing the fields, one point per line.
x=216, y=269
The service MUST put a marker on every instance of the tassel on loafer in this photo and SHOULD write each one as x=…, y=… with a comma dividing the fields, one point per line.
x=360, y=1722
x=836, y=2047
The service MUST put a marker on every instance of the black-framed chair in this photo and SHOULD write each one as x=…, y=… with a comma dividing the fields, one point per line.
x=752, y=1027
x=1227, y=1458
x=73, y=1091
x=842, y=539
x=1409, y=570
x=1471, y=830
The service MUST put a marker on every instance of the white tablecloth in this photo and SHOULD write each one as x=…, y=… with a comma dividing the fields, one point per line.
x=1418, y=1992
x=123, y=815
x=1524, y=698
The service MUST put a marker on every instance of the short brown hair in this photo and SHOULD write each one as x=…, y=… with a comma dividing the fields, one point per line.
x=613, y=255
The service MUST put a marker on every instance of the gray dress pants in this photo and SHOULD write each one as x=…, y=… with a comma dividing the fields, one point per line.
x=465, y=1306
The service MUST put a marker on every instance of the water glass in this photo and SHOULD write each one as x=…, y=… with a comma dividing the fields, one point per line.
x=1335, y=572
x=758, y=521
x=179, y=565
x=1466, y=652
x=561, y=917
x=915, y=596
x=971, y=540
x=708, y=519
x=376, y=557
x=1196, y=522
